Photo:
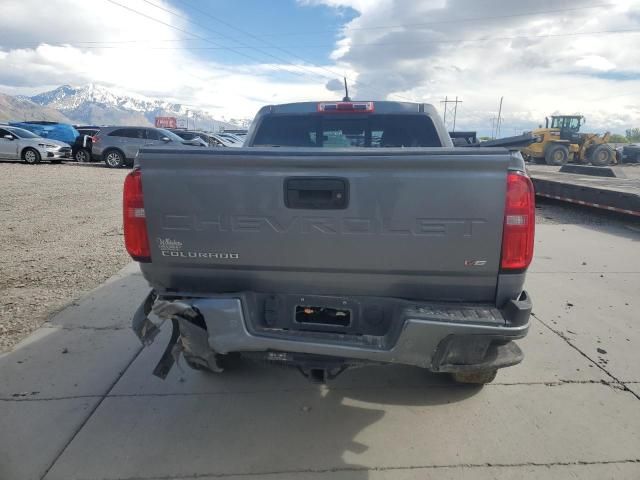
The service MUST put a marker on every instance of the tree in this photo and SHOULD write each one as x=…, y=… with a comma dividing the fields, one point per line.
x=617, y=138
x=633, y=134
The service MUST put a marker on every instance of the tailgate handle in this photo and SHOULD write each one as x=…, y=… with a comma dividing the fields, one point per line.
x=316, y=193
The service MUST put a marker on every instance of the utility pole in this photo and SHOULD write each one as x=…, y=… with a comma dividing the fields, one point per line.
x=493, y=128
x=499, y=119
x=446, y=102
x=455, y=113
x=455, y=102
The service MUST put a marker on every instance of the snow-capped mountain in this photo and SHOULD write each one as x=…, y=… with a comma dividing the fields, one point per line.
x=15, y=109
x=98, y=105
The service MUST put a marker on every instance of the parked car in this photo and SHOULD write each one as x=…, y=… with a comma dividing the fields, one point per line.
x=223, y=141
x=238, y=132
x=631, y=153
x=191, y=135
x=118, y=146
x=20, y=144
x=53, y=130
x=232, y=136
x=83, y=145
x=89, y=130
x=212, y=139
x=403, y=251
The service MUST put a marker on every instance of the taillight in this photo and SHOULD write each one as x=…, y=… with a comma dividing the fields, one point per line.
x=135, y=223
x=95, y=139
x=519, y=223
x=345, y=107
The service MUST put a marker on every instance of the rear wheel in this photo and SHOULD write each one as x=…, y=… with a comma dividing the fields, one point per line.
x=556, y=155
x=82, y=155
x=31, y=156
x=601, y=155
x=114, y=159
x=476, y=378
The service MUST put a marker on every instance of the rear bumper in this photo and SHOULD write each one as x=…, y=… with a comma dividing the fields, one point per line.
x=441, y=338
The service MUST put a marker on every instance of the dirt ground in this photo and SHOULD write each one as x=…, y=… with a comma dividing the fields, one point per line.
x=61, y=236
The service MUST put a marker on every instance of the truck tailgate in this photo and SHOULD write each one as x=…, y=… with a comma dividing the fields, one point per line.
x=410, y=223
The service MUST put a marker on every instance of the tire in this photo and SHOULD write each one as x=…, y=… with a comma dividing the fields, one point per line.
x=475, y=378
x=224, y=362
x=31, y=156
x=556, y=154
x=197, y=366
x=82, y=155
x=601, y=155
x=114, y=159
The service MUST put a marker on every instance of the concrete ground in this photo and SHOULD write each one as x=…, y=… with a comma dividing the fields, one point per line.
x=78, y=401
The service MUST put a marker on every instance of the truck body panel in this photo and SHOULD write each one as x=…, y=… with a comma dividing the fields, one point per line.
x=424, y=224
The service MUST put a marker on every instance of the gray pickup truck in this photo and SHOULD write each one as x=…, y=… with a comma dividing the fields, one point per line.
x=343, y=234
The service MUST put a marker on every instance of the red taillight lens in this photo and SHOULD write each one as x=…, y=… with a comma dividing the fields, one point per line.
x=345, y=107
x=519, y=223
x=95, y=139
x=135, y=223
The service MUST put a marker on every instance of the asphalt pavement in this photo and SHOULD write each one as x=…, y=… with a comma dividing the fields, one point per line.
x=78, y=401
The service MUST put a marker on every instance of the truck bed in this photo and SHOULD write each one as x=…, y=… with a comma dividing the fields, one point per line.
x=423, y=224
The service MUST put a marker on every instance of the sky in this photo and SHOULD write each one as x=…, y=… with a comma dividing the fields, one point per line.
x=231, y=58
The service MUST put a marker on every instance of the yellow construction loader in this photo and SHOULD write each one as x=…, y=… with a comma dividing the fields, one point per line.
x=561, y=142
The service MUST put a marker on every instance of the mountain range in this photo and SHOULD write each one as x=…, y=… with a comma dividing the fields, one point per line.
x=98, y=105
x=21, y=108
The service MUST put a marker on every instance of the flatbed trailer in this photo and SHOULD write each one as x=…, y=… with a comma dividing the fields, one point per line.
x=615, y=194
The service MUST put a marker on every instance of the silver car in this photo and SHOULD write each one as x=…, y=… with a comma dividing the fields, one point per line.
x=118, y=146
x=20, y=144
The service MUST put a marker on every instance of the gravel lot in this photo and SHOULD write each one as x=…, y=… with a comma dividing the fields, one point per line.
x=62, y=236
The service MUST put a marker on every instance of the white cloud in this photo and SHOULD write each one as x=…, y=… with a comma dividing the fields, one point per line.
x=596, y=62
x=33, y=60
x=528, y=59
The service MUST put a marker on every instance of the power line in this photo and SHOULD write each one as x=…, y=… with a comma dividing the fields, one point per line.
x=192, y=34
x=378, y=27
x=312, y=72
x=233, y=49
x=271, y=45
x=244, y=32
x=368, y=44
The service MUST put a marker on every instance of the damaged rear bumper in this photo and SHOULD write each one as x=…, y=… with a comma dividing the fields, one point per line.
x=438, y=337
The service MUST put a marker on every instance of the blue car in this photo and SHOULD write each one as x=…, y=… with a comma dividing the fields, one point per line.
x=54, y=130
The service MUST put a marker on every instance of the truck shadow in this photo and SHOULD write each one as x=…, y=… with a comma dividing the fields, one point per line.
x=399, y=385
